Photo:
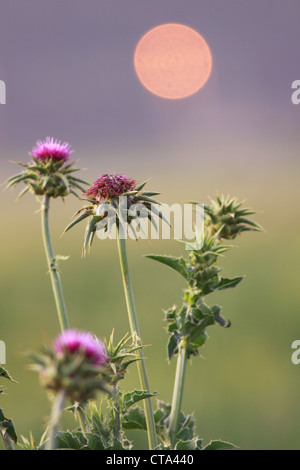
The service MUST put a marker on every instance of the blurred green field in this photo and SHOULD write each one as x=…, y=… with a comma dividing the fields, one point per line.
x=244, y=389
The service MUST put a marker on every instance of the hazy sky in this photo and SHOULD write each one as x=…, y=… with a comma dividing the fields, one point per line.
x=68, y=68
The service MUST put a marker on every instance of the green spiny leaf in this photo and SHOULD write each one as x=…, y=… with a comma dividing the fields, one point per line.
x=193, y=444
x=220, y=445
x=68, y=440
x=178, y=264
x=225, y=283
x=135, y=419
x=131, y=398
x=7, y=427
x=6, y=375
x=172, y=346
x=76, y=221
x=141, y=186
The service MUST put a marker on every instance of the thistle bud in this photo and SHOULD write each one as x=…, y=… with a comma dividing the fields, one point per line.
x=227, y=217
x=122, y=356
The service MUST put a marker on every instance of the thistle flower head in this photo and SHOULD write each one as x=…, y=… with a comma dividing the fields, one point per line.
x=47, y=173
x=107, y=187
x=80, y=342
x=52, y=149
x=77, y=363
x=116, y=200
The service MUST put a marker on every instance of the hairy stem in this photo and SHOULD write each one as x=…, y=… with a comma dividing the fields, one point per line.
x=116, y=414
x=55, y=417
x=82, y=418
x=178, y=390
x=7, y=440
x=134, y=327
x=52, y=266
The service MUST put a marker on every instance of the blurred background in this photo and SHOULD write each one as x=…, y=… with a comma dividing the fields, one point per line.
x=68, y=69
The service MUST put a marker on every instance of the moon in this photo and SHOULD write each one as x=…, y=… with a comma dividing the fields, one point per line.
x=173, y=61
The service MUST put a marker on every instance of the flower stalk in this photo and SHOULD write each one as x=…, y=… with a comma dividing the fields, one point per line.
x=82, y=418
x=116, y=413
x=7, y=441
x=52, y=266
x=55, y=417
x=178, y=390
x=133, y=321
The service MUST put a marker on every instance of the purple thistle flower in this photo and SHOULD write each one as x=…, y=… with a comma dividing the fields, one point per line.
x=74, y=341
x=107, y=187
x=53, y=149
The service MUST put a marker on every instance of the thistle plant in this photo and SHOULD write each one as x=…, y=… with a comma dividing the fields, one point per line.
x=187, y=326
x=48, y=175
x=78, y=365
x=74, y=368
x=111, y=200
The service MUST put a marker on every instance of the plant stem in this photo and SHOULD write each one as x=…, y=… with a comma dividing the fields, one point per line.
x=52, y=265
x=8, y=442
x=178, y=390
x=116, y=414
x=81, y=418
x=55, y=418
x=134, y=327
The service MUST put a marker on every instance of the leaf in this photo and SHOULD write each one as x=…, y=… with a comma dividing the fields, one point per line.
x=199, y=339
x=141, y=186
x=21, y=177
x=14, y=177
x=186, y=427
x=162, y=412
x=172, y=346
x=227, y=283
x=77, y=220
x=153, y=208
x=68, y=440
x=135, y=419
x=171, y=314
x=76, y=185
x=6, y=375
x=150, y=200
x=193, y=444
x=256, y=226
x=135, y=396
x=117, y=445
x=218, y=318
x=150, y=193
x=78, y=180
x=178, y=264
x=94, y=442
x=24, y=191
x=220, y=445
x=7, y=427
x=90, y=231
